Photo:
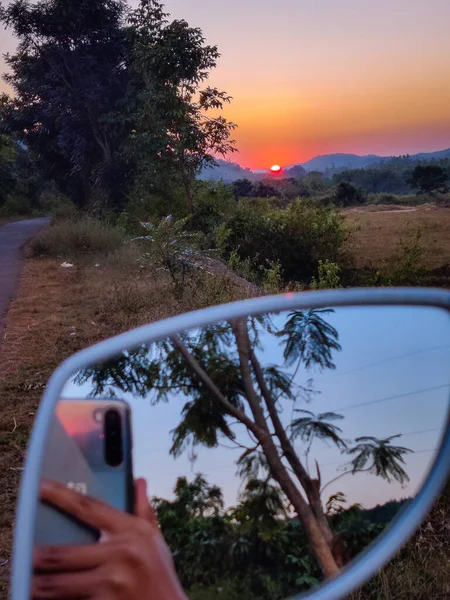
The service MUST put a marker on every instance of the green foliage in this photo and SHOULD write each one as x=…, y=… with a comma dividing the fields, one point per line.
x=328, y=276
x=405, y=266
x=213, y=205
x=380, y=457
x=14, y=205
x=78, y=240
x=295, y=238
x=109, y=100
x=171, y=248
x=346, y=194
x=272, y=279
x=7, y=168
x=318, y=426
x=375, y=180
x=429, y=178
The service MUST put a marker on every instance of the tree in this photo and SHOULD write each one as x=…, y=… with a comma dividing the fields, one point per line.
x=108, y=98
x=170, y=63
x=242, y=188
x=346, y=194
x=68, y=78
x=220, y=369
x=8, y=159
x=429, y=178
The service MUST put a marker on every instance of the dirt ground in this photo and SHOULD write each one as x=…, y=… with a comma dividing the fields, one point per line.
x=376, y=232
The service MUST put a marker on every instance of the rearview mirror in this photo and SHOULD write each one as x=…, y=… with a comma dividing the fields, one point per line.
x=291, y=444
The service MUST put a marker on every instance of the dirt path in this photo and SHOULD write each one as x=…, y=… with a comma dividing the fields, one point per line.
x=13, y=237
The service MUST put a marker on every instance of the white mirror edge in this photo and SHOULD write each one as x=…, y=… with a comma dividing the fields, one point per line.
x=371, y=560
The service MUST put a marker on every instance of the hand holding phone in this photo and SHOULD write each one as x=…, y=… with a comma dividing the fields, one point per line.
x=134, y=563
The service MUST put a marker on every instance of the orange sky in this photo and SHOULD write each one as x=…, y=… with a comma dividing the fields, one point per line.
x=312, y=77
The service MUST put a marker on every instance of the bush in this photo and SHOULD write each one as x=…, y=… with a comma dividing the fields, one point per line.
x=73, y=240
x=346, y=194
x=295, y=239
x=405, y=265
x=328, y=277
x=214, y=205
x=15, y=204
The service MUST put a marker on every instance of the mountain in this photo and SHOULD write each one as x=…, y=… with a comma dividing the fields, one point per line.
x=230, y=171
x=355, y=161
x=339, y=161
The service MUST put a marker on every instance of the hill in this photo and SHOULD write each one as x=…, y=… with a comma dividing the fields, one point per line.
x=331, y=163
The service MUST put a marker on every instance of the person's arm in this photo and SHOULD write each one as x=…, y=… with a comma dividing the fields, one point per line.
x=132, y=562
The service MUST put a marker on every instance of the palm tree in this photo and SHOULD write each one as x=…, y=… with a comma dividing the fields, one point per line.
x=384, y=458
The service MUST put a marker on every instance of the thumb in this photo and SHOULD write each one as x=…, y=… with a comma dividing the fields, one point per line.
x=143, y=509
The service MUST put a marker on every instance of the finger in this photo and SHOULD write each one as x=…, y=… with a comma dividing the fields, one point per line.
x=68, y=586
x=70, y=558
x=89, y=510
x=143, y=508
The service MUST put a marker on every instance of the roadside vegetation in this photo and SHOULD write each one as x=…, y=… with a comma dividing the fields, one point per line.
x=109, y=131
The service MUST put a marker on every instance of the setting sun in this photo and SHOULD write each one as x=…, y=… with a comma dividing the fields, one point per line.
x=275, y=169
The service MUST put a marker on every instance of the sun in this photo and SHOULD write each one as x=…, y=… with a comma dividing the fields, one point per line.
x=275, y=168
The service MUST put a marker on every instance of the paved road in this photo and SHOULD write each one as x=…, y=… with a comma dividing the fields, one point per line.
x=12, y=237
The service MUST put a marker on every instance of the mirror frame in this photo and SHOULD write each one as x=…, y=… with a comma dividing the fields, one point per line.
x=370, y=560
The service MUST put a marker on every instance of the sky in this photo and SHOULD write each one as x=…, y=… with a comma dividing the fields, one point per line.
x=391, y=378
x=316, y=77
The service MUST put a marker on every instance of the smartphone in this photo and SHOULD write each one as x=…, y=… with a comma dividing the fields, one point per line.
x=89, y=449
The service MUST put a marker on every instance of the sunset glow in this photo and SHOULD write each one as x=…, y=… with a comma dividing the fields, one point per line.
x=311, y=78
x=275, y=169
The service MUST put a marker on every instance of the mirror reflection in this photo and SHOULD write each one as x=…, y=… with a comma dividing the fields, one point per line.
x=276, y=447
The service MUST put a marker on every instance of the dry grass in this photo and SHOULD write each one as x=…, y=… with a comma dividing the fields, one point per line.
x=60, y=311
x=376, y=233
x=421, y=570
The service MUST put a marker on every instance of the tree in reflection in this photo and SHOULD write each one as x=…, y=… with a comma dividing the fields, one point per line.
x=223, y=372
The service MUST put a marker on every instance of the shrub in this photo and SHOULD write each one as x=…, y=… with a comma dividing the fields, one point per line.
x=405, y=265
x=346, y=194
x=214, y=205
x=295, y=238
x=328, y=276
x=171, y=248
x=15, y=204
x=77, y=239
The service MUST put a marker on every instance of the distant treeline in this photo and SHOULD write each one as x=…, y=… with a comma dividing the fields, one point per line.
x=399, y=176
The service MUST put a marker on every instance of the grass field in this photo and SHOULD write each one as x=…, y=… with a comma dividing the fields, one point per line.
x=376, y=232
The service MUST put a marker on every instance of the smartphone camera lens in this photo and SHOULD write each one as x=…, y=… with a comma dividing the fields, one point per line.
x=113, y=438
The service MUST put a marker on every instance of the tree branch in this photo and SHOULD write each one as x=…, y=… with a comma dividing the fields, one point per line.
x=343, y=475
x=204, y=377
x=244, y=351
x=286, y=445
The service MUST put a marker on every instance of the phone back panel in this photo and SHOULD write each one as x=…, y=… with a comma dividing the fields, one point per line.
x=74, y=455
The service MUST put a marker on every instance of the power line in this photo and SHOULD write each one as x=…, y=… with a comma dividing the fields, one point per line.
x=387, y=360
x=416, y=392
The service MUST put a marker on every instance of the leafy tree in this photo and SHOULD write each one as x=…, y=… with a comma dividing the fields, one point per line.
x=346, y=194
x=68, y=78
x=219, y=369
x=110, y=99
x=7, y=167
x=429, y=178
x=383, y=458
x=242, y=188
x=174, y=133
